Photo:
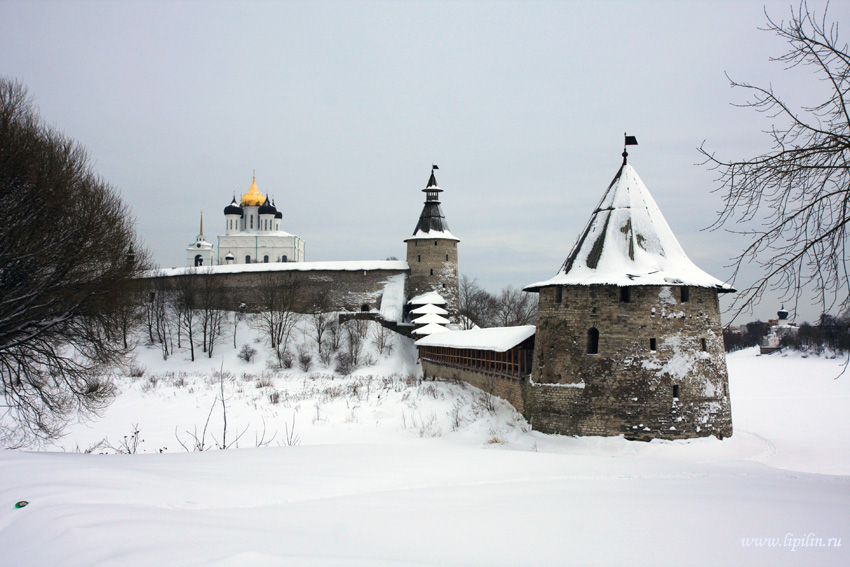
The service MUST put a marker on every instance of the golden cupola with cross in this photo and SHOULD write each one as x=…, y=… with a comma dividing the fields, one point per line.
x=253, y=198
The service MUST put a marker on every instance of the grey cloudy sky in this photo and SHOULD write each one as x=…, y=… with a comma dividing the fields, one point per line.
x=341, y=107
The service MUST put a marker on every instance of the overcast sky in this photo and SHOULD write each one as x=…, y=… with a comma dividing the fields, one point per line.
x=342, y=107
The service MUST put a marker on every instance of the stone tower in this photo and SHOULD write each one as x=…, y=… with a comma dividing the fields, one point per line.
x=628, y=331
x=432, y=252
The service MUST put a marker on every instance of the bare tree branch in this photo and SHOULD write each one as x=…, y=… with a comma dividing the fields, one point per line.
x=792, y=201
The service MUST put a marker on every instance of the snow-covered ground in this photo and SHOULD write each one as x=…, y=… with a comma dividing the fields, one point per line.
x=383, y=469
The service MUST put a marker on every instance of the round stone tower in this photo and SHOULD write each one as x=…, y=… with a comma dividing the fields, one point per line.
x=432, y=252
x=629, y=340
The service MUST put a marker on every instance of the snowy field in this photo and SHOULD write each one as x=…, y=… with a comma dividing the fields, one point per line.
x=381, y=469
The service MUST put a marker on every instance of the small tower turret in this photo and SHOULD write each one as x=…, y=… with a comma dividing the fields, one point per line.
x=432, y=251
x=200, y=252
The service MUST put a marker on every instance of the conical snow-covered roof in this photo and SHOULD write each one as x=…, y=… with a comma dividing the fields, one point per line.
x=627, y=243
x=432, y=223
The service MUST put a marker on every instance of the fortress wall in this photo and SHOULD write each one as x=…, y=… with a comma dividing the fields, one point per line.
x=346, y=290
x=510, y=389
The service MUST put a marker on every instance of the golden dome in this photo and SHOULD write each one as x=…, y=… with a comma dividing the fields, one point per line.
x=253, y=198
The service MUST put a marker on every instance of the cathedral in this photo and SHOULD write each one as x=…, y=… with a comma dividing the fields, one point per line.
x=252, y=235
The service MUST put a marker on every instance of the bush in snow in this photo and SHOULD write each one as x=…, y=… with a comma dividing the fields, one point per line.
x=247, y=353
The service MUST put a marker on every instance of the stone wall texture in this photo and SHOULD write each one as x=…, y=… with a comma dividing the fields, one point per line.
x=658, y=370
x=433, y=267
x=510, y=389
x=345, y=290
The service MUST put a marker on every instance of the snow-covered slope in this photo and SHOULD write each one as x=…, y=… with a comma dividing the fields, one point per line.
x=389, y=470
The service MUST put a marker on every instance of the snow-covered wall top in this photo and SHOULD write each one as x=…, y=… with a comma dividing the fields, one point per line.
x=498, y=339
x=351, y=266
x=627, y=242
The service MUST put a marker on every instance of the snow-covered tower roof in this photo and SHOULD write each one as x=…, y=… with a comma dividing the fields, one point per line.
x=627, y=242
x=432, y=223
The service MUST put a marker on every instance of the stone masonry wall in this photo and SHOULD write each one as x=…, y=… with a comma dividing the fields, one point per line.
x=502, y=386
x=433, y=267
x=346, y=290
x=677, y=390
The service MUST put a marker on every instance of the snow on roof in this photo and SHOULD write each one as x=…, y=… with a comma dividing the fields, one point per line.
x=627, y=242
x=431, y=297
x=429, y=308
x=499, y=339
x=431, y=318
x=352, y=266
x=431, y=329
x=431, y=235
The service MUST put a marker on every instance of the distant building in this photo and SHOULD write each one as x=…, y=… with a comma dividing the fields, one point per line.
x=779, y=329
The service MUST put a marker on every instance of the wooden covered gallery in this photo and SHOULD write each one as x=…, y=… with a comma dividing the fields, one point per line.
x=502, y=350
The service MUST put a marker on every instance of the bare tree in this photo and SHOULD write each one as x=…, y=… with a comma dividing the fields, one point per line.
x=184, y=304
x=516, y=307
x=477, y=305
x=322, y=319
x=67, y=251
x=277, y=298
x=158, y=315
x=210, y=309
x=796, y=195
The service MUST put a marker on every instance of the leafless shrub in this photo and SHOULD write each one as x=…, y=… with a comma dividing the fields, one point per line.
x=344, y=365
x=305, y=358
x=291, y=439
x=382, y=338
x=264, y=382
x=136, y=371
x=247, y=353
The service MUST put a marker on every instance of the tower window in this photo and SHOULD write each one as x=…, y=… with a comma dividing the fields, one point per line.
x=266, y=259
x=247, y=258
x=593, y=341
x=432, y=271
x=676, y=391
x=447, y=257
x=704, y=345
x=686, y=294
x=652, y=344
x=559, y=294
x=625, y=294
x=435, y=243
x=283, y=258
x=419, y=258
x=252, y=222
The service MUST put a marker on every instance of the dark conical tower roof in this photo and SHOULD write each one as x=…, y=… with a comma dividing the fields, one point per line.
x=432, y=222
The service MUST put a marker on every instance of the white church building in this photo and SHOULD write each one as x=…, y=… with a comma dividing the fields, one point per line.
x=252, y=235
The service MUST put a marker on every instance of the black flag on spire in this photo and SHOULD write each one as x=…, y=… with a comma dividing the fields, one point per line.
x=630, y=141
